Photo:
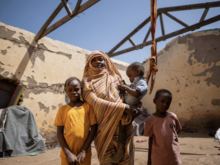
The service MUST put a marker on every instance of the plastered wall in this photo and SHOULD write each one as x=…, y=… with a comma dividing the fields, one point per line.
x=42, y=68
x=189, y=66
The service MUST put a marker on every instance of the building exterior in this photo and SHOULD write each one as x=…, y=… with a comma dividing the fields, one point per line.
x=189, y=66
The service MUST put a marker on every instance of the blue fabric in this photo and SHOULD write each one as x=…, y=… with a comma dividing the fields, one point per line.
x=140, y=84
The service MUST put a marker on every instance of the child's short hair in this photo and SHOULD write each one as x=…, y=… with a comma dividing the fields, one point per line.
x=137, y=65
x=71, y=79
x=157, y=94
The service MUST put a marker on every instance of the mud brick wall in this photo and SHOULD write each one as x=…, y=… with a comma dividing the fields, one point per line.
x=42, y=68
x=189, y=66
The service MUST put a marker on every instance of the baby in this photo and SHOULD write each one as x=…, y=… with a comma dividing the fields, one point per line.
x=133, y=95
x=135, y=91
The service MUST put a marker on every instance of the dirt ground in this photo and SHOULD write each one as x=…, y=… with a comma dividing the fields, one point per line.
x=196, y=149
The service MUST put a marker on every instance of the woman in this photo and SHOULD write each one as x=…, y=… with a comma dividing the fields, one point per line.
x=100, y=80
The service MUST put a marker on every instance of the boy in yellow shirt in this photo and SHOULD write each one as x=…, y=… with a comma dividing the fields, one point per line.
x=76, y=118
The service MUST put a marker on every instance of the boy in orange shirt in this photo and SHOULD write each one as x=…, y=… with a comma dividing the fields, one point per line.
x=76, y=118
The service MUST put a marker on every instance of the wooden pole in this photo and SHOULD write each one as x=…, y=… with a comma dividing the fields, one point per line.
x=49, y=20
x=176, y=19
x=204, y=14
x=130, y=35
x=170, y=35
x=62, y=21
x=162, y=25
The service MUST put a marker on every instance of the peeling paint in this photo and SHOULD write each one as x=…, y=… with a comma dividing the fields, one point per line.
x=42, y=106
x=34, y=52
x=204, y=54
x=216, y=102
x=44, y=123
x=5, y=74
x=4, y=52
x=54, y=107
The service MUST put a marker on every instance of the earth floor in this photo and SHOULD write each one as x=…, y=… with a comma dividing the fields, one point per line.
x=196, y=149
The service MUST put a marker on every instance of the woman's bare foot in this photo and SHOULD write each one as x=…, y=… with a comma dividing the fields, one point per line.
x=119, y=154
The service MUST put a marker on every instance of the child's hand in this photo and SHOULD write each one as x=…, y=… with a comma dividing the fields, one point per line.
x=81, y=156
x=122, y=87
x=71, y=159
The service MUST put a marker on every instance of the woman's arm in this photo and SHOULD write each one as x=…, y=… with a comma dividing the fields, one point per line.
x=71, y=158
x=112, y=108
x=90, y=138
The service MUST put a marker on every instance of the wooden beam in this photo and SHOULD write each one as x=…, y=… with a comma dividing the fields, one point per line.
x=130, y=35
x=204, y=14
x=147, y=35
x=66, y=6
x=131, y=41
x=77, y=6
x=62, y=21
x=49, y=20
x=162, y=25
x=176, y=19
x=189, y=7
x=178, y=32
x=68, y=10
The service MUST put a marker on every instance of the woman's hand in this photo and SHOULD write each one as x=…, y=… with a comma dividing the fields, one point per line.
x=71, y=159
x=81, y=156
x=133, y=110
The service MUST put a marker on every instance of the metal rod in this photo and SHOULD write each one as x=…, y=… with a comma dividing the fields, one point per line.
x=147, y=35
x=130, y=35
x=204, y=14
x=63, y=20
x=189, y=7
x=162, y=25
x=176, y=19
x=49, y=20
x=131, y=41
x=190, y=28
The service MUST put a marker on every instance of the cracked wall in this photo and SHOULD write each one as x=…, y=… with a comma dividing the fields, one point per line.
x=42, y=68
x=189, y=67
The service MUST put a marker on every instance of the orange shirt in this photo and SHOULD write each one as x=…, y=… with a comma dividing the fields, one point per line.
x=76, y=122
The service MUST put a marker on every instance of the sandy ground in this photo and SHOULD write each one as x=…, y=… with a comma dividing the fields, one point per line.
x=196, y=149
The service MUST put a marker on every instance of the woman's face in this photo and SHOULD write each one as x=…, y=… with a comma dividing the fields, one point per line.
x=98, y=62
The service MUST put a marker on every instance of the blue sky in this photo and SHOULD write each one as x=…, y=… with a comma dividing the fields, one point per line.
x=103, y=25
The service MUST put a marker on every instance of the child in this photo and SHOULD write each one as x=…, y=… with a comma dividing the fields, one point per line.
x=134, y=93
x=162, y=127
x=76, y=118
x=138, y=89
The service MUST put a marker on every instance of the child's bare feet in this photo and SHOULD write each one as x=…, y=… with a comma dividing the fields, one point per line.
x=119, y=154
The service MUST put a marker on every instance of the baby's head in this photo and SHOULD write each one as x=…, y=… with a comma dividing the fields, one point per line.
x=134, y=70
x=162, y=100
x=72, y=88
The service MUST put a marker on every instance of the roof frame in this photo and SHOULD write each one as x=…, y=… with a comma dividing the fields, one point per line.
x=160, y=11
x=71, y=14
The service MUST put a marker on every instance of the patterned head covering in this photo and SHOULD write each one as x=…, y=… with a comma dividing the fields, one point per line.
x=93, y=75
x=91, y=72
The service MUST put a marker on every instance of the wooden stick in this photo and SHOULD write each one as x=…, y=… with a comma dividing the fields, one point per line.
x=62, y=21
x=131, y=42
x=190, y=28
x=147, y=35
x=130, y=35
x=189, y=7
x=68, y=10
x=204, y=14
x=176, y=19
x=49, y=20
x=162, y=25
